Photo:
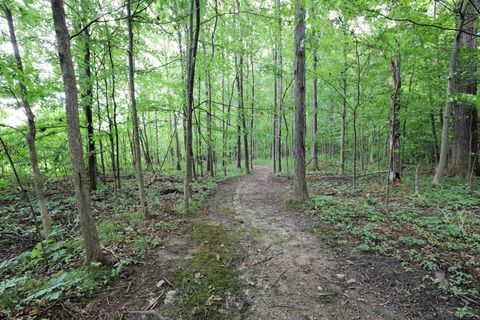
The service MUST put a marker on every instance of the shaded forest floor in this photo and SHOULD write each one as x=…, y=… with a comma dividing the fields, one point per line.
x=251, y=253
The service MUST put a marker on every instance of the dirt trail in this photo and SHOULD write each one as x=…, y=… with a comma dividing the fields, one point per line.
x=289, y=273
x=286, y=272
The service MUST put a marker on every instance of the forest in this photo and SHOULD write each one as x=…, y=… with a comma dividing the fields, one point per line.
x=239, y=159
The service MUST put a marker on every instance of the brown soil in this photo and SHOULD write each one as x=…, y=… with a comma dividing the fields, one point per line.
x=286, y=273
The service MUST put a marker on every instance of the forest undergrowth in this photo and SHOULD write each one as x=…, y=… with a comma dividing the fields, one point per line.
x=437, y=229
x=49, y=277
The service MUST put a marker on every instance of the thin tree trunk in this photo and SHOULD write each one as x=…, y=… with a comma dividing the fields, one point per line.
x=343, y=128
x=87, y=98
x=395, y=167
x=32, y=131
x=315, y=112
x=275, y=117
x=115, y=108
x=177, y=143
x=278, y=141
x=133, y=102
x=252, y=143
x=110, y=138
x=300, y=183
x=193, y=45
x=79, y=176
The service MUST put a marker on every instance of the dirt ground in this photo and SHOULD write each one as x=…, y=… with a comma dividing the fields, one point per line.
x=286, y=272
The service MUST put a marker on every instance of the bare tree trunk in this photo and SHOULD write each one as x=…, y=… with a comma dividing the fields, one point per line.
x=252, y=143
x=32, y=131
x=133, y=102
x=241, y=110
x=343, y=128
x=110, y=138
x=115, y=125
x=193, y=45
x=442, y=163
x=315, y=112
x=99, y=127
x=465, y=139
x=275, y=118
x=79, y=176
x=278, y=135
x=300, y=183
x=395, y=169
x=177, y=143
x=87, y=98
x=354, y=118
x=224, y=126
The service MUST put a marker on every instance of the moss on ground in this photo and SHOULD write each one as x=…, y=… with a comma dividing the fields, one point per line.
x=211, y=277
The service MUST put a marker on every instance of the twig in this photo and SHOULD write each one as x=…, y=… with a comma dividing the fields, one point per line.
x=128, y=288
x=154, y=303
x=278, y=278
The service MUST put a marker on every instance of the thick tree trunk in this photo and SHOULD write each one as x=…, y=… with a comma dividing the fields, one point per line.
x=32, y=131
x=79, y=176
x=133, y=102
x=395, y=167
x=465, y=139
x=442, y=163
x=300, y=183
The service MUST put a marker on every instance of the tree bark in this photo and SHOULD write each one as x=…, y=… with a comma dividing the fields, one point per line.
x=395, y=166
x=133, y=102
x=343, y=128
x=32, y=131
x=115, y=125
x=442, y=163
x=278, y=133
x=465, y=139
x=193, y=45
x=241, y=110
x=300, y=183
x=315, y=112
x=79, y=176
x=87, y=99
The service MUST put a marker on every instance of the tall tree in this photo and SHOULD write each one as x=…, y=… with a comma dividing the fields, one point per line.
x=463, y=158
x=79, y=176
x=300, y=183
x=442, y=163
x=87, y=100
x=395, y=164
x=279, y=90
x=32, y=130
x=133, y=106
x=315, y=111
x=191, y=61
